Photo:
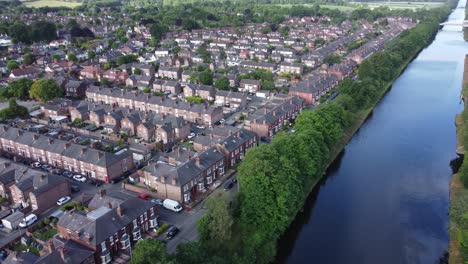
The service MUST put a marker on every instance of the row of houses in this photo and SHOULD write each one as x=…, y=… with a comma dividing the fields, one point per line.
x=72, y=157
x=194, y=113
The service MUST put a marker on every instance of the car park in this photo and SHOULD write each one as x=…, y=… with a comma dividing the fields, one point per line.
x=63, y=200
x=79, y=178
x=173, y=231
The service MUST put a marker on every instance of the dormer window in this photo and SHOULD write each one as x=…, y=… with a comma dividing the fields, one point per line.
x=105, y=256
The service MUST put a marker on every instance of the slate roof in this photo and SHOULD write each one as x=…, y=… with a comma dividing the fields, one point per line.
x=94, y=230
x=187, y=171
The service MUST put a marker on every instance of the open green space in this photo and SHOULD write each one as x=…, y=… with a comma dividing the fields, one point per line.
x=397, y=5
x=52, y=3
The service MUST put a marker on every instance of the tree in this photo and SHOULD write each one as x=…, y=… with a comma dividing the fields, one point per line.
x=43, y=31
x=20, y=88
x=20, y=32
x=13, y=110
x=91, y=54
x=45, y=90
x=28, y=58
x=215, y=226
x=157, y=30
x=206, y=77
x=72, y=57
x=56, y=57
x=149, y=251
x=222, y=83
x=137, y=71
x=12, y=65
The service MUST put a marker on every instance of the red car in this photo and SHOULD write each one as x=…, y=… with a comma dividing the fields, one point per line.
x=143, y=196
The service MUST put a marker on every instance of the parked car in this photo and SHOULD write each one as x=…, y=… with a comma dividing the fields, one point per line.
x=228, y=185
x=97, y=183
x=200, y=127
x=67, y=174
x=75, y=188
x=222, y=121
x=36, y=164
x=143, y=196
x=63, y=200
x=173, y=231
x=46, y=167
x=56, y=171
x=172, y=205
x=191, y=135
x=157, y=201
x=79, y=178
x=28, y=220
x=116, y=180
x=234, y=180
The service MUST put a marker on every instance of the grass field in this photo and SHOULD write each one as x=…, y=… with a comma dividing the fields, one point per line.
x=398, y=5
x=330, y=6
x=51, y=3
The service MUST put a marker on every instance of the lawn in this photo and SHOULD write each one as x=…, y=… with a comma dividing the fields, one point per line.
x=398, y=5
x=52, y=3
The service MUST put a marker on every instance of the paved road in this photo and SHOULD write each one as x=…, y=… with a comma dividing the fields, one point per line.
x=187, y=221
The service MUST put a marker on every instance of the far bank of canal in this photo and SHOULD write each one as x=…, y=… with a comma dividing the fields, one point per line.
x=386, y=198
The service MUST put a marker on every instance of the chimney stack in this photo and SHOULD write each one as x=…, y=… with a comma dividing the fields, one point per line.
x=62, y=253
x=66, y=145
x=197, y=161
x=51, y=245
x=49, y=141
x=109, y=205
x=102, y=193
x=35, y=136
x=120, y=211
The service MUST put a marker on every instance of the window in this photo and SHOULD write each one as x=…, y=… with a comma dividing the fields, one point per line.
x=153, y=223
x=105, y=257
x=111, y=240
x=187, y=197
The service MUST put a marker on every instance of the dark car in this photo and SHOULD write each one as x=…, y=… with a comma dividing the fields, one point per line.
x=116, y=180
x=173, y=231
x=234, y=180
x=75, y=188
x=228, y=185
x=265, y=139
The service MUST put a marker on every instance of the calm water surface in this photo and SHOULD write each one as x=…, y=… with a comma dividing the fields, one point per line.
x=385, y=200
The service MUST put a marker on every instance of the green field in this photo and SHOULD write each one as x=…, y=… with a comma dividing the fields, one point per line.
x=398, y=5
x=330, y=6
x=51, y=3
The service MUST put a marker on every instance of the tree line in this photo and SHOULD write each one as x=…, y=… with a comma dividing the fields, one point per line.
x=275, y=179
x=37, y=31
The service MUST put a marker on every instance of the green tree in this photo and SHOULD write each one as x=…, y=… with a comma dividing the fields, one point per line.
x=91, y=54
x=13, y=110
x=137, y=71
x=43, y=31
x=45, y=90
x=215, y=226
x=222, y=83
x=11, y=65
x=20, y=88
x=28, y=58
x=206, y=77
x=72, y=57
x=20, y=32
x=149, y=251
x=56, y=57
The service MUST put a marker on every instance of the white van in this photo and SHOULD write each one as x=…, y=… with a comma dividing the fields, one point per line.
x=28, y=220
x=172, y=205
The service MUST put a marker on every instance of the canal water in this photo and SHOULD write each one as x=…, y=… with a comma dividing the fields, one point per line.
x=386, y=198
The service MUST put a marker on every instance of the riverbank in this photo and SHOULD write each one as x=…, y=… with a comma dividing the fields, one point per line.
x=458, y=193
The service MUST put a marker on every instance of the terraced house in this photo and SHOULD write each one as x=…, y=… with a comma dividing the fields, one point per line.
x=194, y=113
x=79, y=159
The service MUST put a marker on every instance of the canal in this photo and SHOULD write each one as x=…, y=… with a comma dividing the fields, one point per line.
x=386, y=198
